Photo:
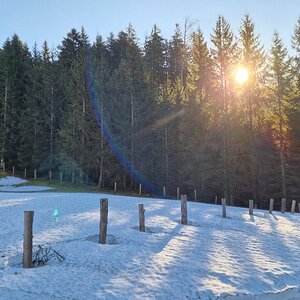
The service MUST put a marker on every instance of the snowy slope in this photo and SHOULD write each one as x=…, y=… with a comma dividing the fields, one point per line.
x=210, y=258
x=9, y=184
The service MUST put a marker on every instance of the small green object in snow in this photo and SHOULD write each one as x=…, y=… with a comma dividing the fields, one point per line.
x=55, y=213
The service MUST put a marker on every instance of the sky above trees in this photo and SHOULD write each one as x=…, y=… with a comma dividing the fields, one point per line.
x=37, y=20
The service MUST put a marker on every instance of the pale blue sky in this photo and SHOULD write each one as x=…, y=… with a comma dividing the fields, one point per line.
x=37, y=20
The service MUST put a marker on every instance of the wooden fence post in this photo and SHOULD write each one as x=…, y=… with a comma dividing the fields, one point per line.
x=216, y=200
x=224, y=207
x=140, y=189
x=13, y=170
x=271, y=206
x=195, y=195
x=103, y=220
x=293, y=206
x=177, y=192
x=164, y=192
x=34, y=174
x=142, y=217
x=50, y=175
x=27, y=243
x=283, y=205
x=183, y=209
x=115, y=187
x=251, y=207
x=60, y=176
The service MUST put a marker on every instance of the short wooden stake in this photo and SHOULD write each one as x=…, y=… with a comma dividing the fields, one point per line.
x=271, y=206
x=283, y=205
x=13, y=170
x=195, y=195
x=50, y=175
x=251, y=207
x=27, y=243
x=293, y=206
x=3, y=166
x=103, y=220
x=223, y=207
x=61, y=176
x=25, y=173
x=115, y=187
x=164, y=192
x=216, y=200
x=142, y=217
x=177, y=192
x=34, y=174
x=140, y=189
x=183, y=209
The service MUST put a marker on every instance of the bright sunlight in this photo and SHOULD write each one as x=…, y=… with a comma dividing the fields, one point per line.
x=241, y=75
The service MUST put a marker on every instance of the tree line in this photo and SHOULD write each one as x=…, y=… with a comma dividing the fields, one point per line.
x=169, y=113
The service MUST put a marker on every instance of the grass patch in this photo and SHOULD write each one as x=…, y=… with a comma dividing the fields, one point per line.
x=3, y=174
x=68, y=187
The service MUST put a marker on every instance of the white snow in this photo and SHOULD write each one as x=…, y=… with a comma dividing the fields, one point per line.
x=211, y=258
x=11, y=180
x=10, y=184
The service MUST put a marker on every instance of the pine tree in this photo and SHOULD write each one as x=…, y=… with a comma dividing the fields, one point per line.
x=296, y=47
x=197, y=116
x=280, y=85
x=17, y=70
x=253, y=59
x=224, y=54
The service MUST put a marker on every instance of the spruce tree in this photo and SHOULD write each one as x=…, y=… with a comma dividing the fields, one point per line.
x=224, y=55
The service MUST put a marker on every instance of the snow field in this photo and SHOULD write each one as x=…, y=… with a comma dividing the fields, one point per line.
x=255, y=257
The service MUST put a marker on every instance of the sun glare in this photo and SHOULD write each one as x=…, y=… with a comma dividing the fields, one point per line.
x=241, y=75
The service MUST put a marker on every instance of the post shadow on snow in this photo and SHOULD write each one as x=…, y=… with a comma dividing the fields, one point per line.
x=189, y=281
x=269, y=245
x=163, y=268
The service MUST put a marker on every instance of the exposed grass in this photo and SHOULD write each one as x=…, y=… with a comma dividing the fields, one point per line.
x=3, y=174
x=76, y=187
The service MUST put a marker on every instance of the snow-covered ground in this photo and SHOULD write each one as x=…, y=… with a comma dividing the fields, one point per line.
x=211, y=258
x=10, y=184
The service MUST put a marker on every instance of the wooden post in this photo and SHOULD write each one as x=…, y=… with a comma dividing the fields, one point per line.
x=293, y=206
x=216, y=200
x=251, y=207
x=283, y=205
x=223, y=207
x=4, y=166
x=115, y=187
x=60, y=176
x=177, y=192
x=164, y=192
x=50, y=175
x=103, y=220
x=140, y=189
x=142, y=217
x=271, y=206
x=195, y=195
x=183, y=209
x=34, y=174
x=27, y=243
x=13, y=170
x=25, y=173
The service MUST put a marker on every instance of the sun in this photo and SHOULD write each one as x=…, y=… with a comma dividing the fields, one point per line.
x=241, y=75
